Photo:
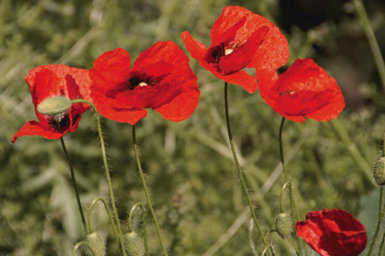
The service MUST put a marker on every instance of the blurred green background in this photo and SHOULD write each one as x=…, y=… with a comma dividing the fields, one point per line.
x=189, y=166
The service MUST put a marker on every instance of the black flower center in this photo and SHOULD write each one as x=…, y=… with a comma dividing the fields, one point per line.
x=140, y=80
x=59, y=122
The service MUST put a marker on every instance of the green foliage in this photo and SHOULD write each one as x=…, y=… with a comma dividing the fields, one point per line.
x=189, y=165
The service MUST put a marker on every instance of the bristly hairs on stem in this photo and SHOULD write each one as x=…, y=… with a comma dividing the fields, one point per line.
x=107, y=174
x=239, y=170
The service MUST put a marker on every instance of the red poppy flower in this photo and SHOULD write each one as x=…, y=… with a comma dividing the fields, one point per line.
x=56, y=80
x=240, y=39
x=333, y=233
x=161, y=78
x=304, y=90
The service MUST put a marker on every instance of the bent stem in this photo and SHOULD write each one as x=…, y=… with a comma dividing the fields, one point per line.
x=83, y=243
x=146, y=191
x=107, y=173
x=380, y=217
x=238, y=167
x=293, y=210
x=108, y=210
x=130, y=228
x=75, y=186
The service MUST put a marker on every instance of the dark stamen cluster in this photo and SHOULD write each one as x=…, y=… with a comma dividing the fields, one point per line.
x=59, y=122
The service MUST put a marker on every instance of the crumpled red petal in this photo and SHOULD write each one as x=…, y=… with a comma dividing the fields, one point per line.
x=304, y=90
x=242, y=55
x=333, y=233
x=240, y=39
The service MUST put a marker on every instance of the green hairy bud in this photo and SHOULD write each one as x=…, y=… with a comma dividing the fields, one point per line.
x=54, y=105
x=134, y=244
x=96, y=243
x=283, y=225
x=379, y=171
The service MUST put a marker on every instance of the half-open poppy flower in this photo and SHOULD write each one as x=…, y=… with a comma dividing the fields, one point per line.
x=333, y=233
x=304, y=90
x=240, y=39
x=161, y=78
x=56, y=80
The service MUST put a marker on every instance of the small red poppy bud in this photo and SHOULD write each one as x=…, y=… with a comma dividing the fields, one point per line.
x=54, y=105
x=134, y=244
x=379, y=171
x=283, y=225
x=96, y=243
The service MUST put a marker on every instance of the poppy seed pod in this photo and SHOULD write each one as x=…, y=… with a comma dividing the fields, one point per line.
x=134, y=244
x=54, y=105
x=283, y=225
x=379, y=171
x=96, y=243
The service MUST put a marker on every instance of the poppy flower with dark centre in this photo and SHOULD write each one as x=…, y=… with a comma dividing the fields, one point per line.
x=333, y=233
x=56, y=80
x=160, y=78
x=240, y=39
x=304, y=90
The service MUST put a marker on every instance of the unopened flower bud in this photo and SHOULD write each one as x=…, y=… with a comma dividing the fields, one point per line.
x=379, y=171
x=54, y=105
x=283, y=225
x=96, y=243
x=134, y=244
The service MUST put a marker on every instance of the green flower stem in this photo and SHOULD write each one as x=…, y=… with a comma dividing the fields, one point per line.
x=130, y=229
x=293, y=209
x=107, y=173
x=281, y=148
x=381, y=213
x=75, y=186
x=146, y=191
x=376, y=52
x=381, y=249
x=238, y=167
x=83, y=243
x=109, y=213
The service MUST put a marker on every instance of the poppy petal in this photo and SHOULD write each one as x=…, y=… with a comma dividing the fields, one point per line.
x=229, y=18
x=36, y=128
x=111, y=67
x=304, y=90
x=196, y=49
x=122, y=115
x=273, y=52
x=242, y=78
x=81, y=76
x=183, y=105
x=242, y=55
x=333, y=233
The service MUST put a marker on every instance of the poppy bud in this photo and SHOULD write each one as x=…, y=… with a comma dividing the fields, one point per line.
x=379, y=171
x=54, y=105
x=283, y=225
x=96, y=243
x=134, y=244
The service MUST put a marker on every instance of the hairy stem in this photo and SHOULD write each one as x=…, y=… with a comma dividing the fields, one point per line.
x=238, y=167
x=380, y=217
x=146, y=192
x=75, y=186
